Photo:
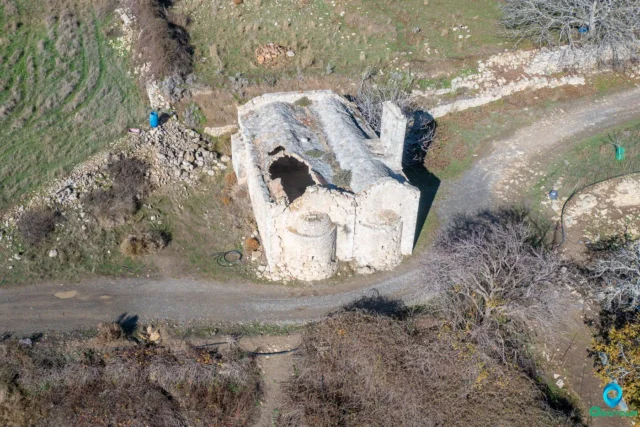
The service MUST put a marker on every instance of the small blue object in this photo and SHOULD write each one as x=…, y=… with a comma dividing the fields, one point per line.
x=553, y=194
x=154, y=121
x=612, y=402
x=583, y=30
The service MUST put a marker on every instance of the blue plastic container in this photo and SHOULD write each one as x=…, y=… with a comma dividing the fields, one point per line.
x=154, y=120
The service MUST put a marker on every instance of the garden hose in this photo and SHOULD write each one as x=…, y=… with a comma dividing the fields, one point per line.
x=576, y=192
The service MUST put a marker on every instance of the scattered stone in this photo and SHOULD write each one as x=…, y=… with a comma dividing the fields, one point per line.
x=53, y=253
x=269, y=54
x=26, y=342
x=153, y=335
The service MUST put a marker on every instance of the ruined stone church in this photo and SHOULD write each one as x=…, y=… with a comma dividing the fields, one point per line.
x=323, y=186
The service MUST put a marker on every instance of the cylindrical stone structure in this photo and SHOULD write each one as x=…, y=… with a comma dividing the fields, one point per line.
x=309, y=245
x=378, y=239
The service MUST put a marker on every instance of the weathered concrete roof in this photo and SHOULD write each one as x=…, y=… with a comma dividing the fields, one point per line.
x=320, y=128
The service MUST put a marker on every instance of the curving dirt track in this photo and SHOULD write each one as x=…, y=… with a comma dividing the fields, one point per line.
x=37, y=308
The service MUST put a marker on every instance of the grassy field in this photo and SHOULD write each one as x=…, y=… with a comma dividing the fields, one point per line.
x=340, y=36
x=64, y=93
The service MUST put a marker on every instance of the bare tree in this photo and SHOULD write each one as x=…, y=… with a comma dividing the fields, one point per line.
x=372, y=94
x=499, y=287
x=611, y=28
x=396, y=88
x=620, y=273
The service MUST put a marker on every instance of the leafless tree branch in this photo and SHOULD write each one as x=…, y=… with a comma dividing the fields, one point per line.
x=609, y=29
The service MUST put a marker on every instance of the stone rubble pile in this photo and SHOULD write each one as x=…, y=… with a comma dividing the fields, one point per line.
x=270, y=53
x=174, y=154
x=180, y=154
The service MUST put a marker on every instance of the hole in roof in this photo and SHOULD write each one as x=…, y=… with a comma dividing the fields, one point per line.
x=294, y=176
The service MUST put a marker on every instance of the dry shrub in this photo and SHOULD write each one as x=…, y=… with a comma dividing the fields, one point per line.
x=251, y=245
x=129, y=175
x=144, y=244
x=35, y=226
x=236, y=198
x=230, y=180
x=115, y=205
x=366, y=369
x=164, y=43
x=110, y=332
x=47, y=385
x=501, y=286
x=110, y=207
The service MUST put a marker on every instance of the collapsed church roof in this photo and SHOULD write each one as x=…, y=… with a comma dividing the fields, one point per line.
x=321, y=129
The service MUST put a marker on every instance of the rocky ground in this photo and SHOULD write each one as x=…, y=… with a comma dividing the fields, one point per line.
x=511, y=72
x=604, y=210
x=174, y=154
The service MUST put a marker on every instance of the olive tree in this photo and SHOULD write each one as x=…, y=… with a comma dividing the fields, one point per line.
x=499, y=287
x=611, y=28
x=620, y=274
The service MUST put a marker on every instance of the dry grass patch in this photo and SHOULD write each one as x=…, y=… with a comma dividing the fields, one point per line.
x=35, y=226
x=367, y=369
x=50, y=384
x=115, y=205
x=144, y=244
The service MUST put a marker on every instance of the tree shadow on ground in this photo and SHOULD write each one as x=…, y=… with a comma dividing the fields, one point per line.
x=463, y=225
x=128, y=323
x=377, y=304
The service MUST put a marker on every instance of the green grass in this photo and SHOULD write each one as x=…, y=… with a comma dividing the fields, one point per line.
x=345, y=38
x=591, y=161
x=81, y=252
x=65, y=94
x=204, y=222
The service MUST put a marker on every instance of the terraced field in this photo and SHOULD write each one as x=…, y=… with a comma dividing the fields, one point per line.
x=64, y=92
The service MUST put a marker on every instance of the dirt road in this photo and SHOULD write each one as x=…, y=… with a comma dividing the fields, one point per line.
x=66, y=307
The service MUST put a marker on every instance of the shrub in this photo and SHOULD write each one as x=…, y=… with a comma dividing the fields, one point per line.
x=621, y=351
x=372, y=94
x=115, y=205
x=129, y=175
x=163, y=43
x=35, y=226
x=357, y=369
x=109, y=332
x=110, y=207
x=144, y=244
x=608, y=27
x=618, y=270
x=145, y=385
x=499, y=286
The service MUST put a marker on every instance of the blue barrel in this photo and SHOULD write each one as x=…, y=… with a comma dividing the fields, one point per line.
x=154, y=120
